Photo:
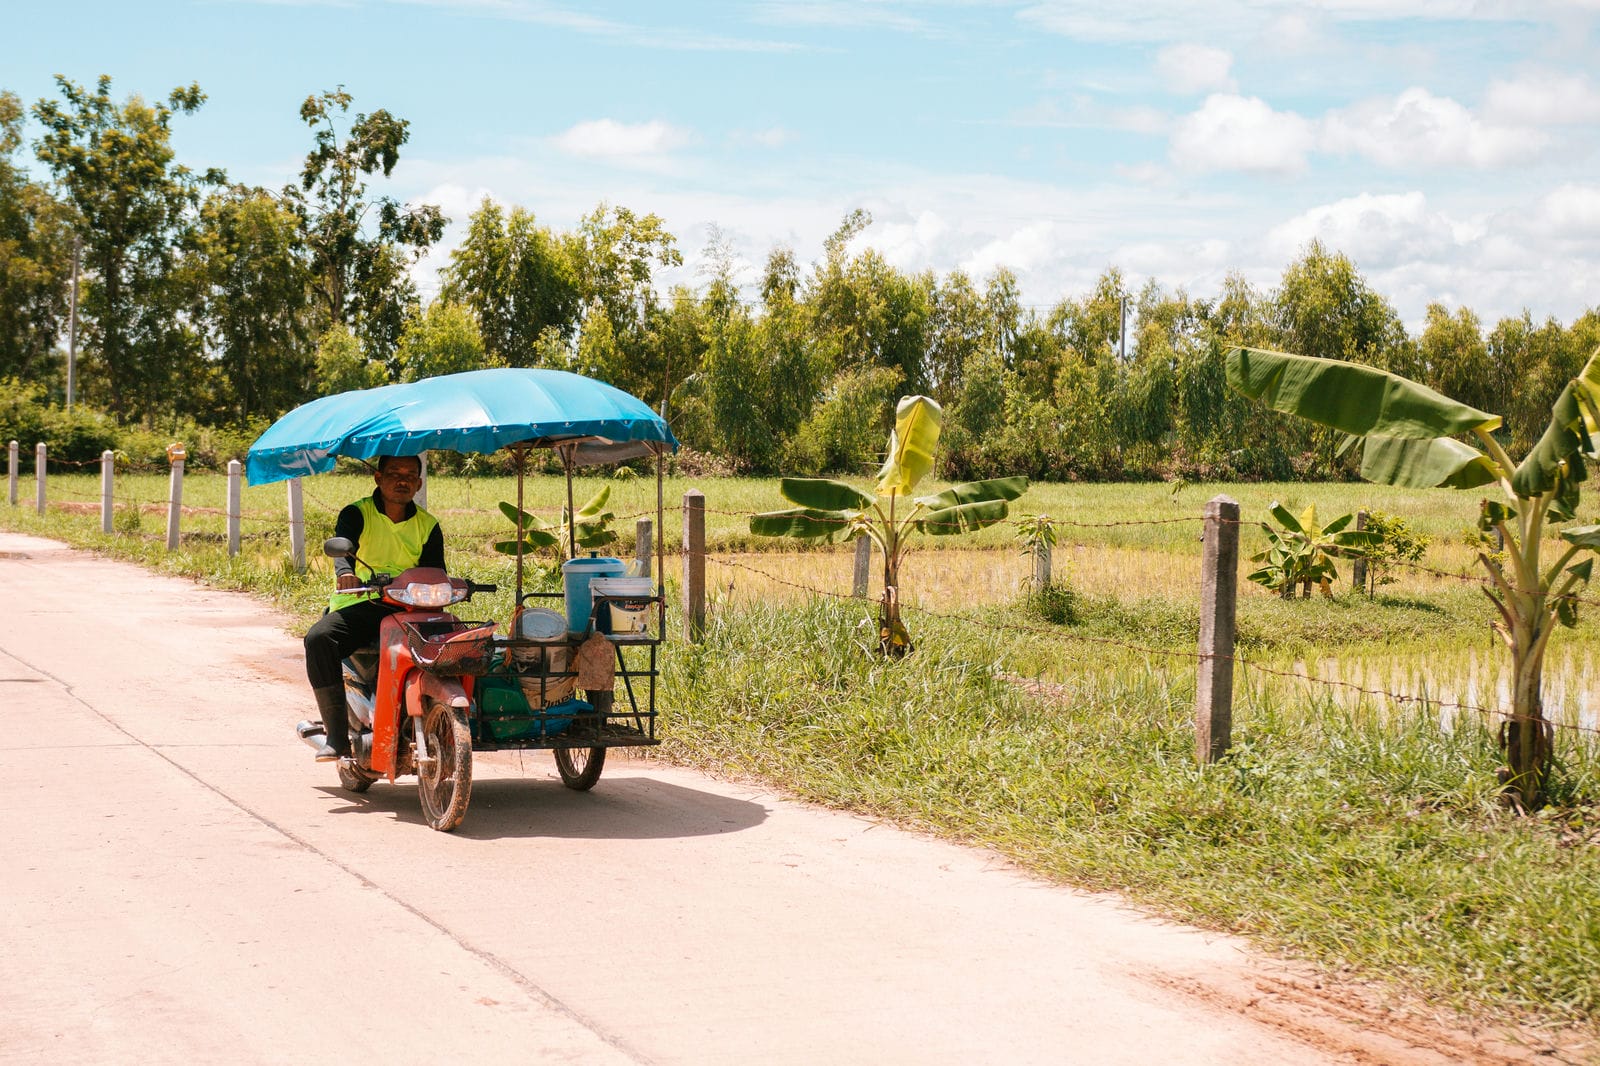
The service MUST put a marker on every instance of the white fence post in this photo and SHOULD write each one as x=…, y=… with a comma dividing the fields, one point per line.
x=234, y=467
x=38, y=472
x=297, y=525
x=108, y=465
x=421, y=498
x=1042, y=553
x=176, y=454
x=11, y=471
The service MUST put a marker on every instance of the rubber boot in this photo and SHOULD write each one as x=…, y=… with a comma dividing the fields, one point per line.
x=335, y=724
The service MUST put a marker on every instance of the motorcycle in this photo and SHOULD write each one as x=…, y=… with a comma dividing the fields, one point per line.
x=409, y=698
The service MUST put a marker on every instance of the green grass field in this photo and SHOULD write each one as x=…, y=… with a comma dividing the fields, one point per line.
x=1348, y=827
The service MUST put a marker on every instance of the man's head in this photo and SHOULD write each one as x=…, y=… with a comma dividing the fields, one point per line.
x=398, y=477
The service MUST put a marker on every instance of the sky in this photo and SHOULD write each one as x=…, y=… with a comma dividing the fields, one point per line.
x=1448, y=147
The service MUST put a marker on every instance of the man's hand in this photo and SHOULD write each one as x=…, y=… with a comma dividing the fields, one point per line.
x=348, y=581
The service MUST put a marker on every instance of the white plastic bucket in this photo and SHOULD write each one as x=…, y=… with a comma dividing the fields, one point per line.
x=630, y=615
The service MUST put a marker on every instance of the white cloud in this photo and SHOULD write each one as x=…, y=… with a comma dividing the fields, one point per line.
x=1195, y=68
x=640, y=144
x=1543, y=99
x=1023, y=249
x=1375, y=231
x=1419, y=129
x=1242, y=133
x=1569, y=212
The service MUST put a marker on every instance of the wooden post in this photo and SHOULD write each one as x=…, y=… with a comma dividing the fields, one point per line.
x=108, y=504
x=643, y=546
x=234, y=509
x=175, y=455
x=38, y=473
x=1041, y=564
x=11, y=471
x=694, y=564
x=297, y=526
x=1358, y=569
x=1219, y=578
x=858, y=585
x=421, y=498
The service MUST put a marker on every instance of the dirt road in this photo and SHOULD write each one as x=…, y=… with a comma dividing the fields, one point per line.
x=181, y=883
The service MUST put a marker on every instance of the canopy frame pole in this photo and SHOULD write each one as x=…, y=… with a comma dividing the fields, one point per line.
x=567, y=454
x=519, y=452
x=661, y=537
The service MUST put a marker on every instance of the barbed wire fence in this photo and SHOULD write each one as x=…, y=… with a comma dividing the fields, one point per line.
x=1215, y=659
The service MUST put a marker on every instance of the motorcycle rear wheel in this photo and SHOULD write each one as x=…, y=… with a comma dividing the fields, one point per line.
x=445, y=783
x=580, y=767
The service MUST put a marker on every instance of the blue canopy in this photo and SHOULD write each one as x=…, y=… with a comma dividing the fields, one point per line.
x=478, y=411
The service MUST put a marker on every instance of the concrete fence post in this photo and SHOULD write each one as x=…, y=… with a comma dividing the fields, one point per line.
x=108, y=503
x=1358, y=568
x=11, y=472
x=1219, y=588
x=421, y=498
x=234, y=509
x=643, y=546
x=863, y=571
x=38, y=474
x=175, y=455
x=1042, y=552
x=297, y=526
x=694, y=564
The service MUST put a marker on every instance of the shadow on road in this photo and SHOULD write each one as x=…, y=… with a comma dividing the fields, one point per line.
x=624, y=808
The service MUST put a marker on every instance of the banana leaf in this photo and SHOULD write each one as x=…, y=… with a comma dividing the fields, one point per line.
x=804, y=523
x=529, y=521
x=1582, y=536
x=962, y=518
x=1425, y=464
x=1571, y=432
x=916, y=431
x=822, y=494
x=1286, y=518
x=1350, y=397
x=999, y=488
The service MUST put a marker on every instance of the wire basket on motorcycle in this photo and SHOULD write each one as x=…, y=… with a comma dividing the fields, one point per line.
x=450, y=646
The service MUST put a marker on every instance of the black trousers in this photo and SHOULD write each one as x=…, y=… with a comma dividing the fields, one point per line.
x=337, y=634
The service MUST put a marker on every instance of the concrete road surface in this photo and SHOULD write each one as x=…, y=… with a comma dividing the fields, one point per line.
x=182, y=883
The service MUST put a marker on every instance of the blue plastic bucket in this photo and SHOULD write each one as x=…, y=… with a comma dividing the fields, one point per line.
x=575, y=577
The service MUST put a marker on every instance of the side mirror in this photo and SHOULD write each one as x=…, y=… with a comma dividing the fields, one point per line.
x=338, y=547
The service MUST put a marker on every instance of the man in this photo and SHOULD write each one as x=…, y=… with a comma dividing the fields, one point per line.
x=391, y=534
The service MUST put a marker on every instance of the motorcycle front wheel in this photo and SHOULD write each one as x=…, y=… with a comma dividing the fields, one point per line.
x=444, y=777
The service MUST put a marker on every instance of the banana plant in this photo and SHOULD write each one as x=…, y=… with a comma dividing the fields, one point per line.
x=892, y=517
x=1301, y=553
x=1408, y=436
x=591, y=529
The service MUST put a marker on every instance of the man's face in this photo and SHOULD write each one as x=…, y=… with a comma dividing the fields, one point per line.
x=399, y=479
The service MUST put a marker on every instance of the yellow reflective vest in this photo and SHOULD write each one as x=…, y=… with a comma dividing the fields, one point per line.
x=387, y=547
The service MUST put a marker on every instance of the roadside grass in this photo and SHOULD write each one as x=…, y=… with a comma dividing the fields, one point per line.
x=1354, y=830
x=1360, y=838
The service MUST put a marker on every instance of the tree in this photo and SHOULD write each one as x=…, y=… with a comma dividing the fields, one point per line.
x=35, y=260
x=252, y=293
x=360, y=246
x=518, y=278
x=341, y=366
x=443, y=340
x=115, y=165
x=1408, y=436
x=616, y=253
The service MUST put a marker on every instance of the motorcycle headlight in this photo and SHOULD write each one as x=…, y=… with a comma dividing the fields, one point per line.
x=416, y=594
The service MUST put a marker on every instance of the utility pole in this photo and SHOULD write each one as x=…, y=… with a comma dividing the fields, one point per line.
x=1122, y=339
x=72, y=331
